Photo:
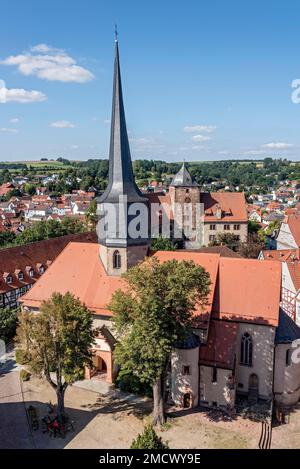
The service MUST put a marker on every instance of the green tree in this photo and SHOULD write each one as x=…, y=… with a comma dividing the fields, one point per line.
x=153, y=313
x=148, y=440
x=8, y=323
x=162, y=244
x=58, y=340
x=12, y=193
x=264, y=233
x=6, y=238
x=253, y=226
x=91, y=214
x=30, y=189
x=226, y=239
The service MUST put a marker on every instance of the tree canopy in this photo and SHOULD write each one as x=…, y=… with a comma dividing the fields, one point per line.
x=58, y=340
x=152, y=314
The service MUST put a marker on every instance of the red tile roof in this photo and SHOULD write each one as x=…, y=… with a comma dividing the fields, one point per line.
x=294, y=224
x=248, y=290
x=282, y=255
x=233, y=206
x=294, y=269
x=219, y=350
x=241, y=289
x=30, y=255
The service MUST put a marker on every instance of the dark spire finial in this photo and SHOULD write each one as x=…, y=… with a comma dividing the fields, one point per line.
x=116, y=32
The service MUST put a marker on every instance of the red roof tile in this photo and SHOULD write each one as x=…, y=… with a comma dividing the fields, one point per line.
x=233, y=206
x=294, y=224
x=220, y=348
x=248, y=290
x=30, y=255
x=294, y=269
x=241, y=290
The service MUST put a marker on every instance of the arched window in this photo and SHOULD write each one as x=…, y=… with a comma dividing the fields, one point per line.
x=116, y=260
x=246, y=349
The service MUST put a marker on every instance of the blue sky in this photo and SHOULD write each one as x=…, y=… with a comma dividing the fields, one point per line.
x=201, y=80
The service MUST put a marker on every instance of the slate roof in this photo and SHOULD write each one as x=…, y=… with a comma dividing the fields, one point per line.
x=287, y=330
x=121, y=178
x=183, y=178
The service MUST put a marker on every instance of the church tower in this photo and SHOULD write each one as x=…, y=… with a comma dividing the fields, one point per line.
x=123, y=209
x=185, y=202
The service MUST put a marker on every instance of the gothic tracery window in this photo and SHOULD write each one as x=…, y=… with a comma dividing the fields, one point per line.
x=116, y=260
x=246, y=349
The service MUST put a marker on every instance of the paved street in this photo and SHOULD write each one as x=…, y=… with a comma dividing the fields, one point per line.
x=14, y=429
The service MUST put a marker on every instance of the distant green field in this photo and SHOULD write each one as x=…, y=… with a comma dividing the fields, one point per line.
x=43, y=165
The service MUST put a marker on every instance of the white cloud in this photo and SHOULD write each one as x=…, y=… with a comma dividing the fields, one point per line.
x=19, y=95
x=277, y=145
x=199, y=128
x=223, y=152
x=8, y=130
x=254, y=152
x=74, y=147
x=62, y=125
x=14, y=120
x=201, y=138
x=50, y=64
x=42, y=48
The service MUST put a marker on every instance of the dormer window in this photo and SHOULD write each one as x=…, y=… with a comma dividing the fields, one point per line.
x=30, y=271
x=40, y=268
x=19, y=274
x=7, y=278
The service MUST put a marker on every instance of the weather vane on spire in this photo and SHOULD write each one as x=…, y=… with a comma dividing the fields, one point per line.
x=116, y=32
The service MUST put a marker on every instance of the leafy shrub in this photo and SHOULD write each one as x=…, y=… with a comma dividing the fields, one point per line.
x=8, y=324
x=21, y=357
x=128, y=382
x=149, y=440
x=25, y=375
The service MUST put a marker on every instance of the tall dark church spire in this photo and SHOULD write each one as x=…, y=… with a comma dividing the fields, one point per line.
x=121, y=178
x=124, y=240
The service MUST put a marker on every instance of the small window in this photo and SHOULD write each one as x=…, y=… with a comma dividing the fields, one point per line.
x=31, y=273
x=20, y=276
x=9, y=279
x=187, y=200
x=214, y=374
x=41, y=269
x=186, y=370
x=226, y=227
x=212, y=237
x=236, y=227
x=117, y=260
x=288, y=357
x=212, y=227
